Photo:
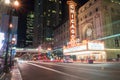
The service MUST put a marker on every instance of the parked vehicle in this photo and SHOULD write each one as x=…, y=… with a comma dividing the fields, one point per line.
x=68, y=60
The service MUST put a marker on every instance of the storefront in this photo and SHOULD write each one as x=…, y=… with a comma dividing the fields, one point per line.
x=86, y=50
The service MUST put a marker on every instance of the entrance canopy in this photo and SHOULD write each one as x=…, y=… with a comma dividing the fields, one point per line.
x=83, y=48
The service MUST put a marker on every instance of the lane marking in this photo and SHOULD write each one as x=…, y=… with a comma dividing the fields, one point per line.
x=99, y=68
x=57, y=71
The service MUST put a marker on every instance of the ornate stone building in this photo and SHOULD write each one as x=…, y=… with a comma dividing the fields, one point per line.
x=99, y=20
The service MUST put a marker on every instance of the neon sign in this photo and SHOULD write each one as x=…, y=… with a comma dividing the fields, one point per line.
x=72, y=18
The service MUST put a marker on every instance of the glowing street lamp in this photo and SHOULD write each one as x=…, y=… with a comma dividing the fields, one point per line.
x=11, y=5
x=16, y=3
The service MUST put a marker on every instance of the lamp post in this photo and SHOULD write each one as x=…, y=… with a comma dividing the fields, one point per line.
x=11, y=5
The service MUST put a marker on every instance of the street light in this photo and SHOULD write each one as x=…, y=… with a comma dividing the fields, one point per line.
x=11, y=5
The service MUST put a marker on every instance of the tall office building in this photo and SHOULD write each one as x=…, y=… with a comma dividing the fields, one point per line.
x=29, y=30
x=48, y=15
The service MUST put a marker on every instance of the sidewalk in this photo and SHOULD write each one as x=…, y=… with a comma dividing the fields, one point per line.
x=14, y=74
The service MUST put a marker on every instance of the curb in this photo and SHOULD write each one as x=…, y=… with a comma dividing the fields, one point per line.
x=2, y=75
x=5, y=76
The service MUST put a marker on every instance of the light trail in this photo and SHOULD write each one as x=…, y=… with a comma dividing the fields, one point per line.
x=116, y=35
x=58, y=71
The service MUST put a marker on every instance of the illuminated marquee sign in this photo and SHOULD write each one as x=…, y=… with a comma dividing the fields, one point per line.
x=74, y=49
x=84, y=46
x=95, y=46
x=72, y=18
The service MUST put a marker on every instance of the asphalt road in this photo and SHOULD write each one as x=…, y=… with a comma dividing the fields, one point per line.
x=69, y=71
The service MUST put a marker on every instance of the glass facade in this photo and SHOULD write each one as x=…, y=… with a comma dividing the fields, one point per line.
x=48, y=16
x=29, y=30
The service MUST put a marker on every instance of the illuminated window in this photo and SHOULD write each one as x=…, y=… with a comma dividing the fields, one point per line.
x=53, y=11
x=32, y=16
x=38, y=3
x=49, y=10
x=48, y=14
x=60, y=2
x=44, y=13
x=48, y=22
x=60, y=12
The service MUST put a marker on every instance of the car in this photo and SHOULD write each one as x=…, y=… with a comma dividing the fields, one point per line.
x=68, y=60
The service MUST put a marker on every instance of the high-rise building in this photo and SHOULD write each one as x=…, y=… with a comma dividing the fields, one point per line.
x=29, y=30
x=48, y=15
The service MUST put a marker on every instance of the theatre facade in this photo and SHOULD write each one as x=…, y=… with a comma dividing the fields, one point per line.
x=98, y=31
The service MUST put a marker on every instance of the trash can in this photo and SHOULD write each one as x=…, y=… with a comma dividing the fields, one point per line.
x=90, y=61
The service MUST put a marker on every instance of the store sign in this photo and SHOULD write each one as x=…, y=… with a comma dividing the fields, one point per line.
x=2, y=38
x=72, y=17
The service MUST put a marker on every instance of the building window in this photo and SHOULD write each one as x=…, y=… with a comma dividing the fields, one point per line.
x=116, y=42
x=53, y=11
x=48, y=14
x=85, y=16
x=39, y=4
x=49, y=10
x=96, y=9
x=81, y=19
x=90, y=13
x=60, y=2
x=44, y=13
x=60, y=12
x=112, y=10
x=90, y=4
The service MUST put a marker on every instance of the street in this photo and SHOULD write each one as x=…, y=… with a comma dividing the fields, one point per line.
x=69, y=71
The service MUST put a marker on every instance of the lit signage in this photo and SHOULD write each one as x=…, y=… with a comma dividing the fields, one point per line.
x=74, y=49
x=95, y=46
x=2, y=37
x=72, y=18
